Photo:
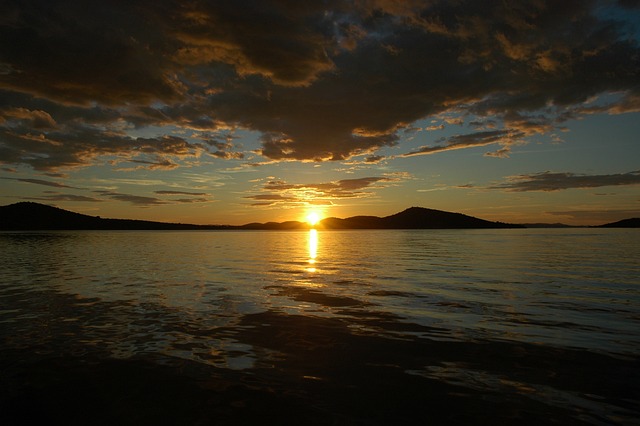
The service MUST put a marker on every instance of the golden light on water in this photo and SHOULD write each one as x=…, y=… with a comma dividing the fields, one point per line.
x=313, y=249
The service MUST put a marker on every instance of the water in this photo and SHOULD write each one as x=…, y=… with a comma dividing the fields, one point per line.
x=329, y=327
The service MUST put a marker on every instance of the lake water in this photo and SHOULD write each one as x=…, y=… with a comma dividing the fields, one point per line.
x=527, y=326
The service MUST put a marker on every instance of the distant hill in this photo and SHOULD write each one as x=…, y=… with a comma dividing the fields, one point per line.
x=355, y=222
x=415, y=218
x=35, y=216
x=548, y=225
x=625, y=223
x=282, y=226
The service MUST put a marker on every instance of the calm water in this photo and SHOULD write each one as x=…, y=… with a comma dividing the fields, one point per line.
x=333, y=327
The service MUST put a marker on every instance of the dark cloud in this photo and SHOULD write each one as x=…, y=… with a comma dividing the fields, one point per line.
x=133, y=199
x=285, y=41
x=503, y=137
x=78, y=145
x=77, y=53
x=41, y=182
x=35, y=119
x=180, y=193
x=270, y=197
x=191, y=200
x=500, y=153
x=143, y=201
x=549, y=181
x=374, y=159
x=345, y=188
x=273, y=199
x=64, y=197
x=319, y=80
x=228, y=155
x=159, y=164
x=223, y=147
x=629, y=3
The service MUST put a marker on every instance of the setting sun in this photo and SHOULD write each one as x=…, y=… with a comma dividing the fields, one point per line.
x=313, y=218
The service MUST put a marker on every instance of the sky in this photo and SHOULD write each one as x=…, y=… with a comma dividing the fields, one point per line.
x=230, y=112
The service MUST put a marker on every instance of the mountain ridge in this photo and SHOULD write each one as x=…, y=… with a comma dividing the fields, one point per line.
x=35, y=216
x=633, y=222
x=415, y=218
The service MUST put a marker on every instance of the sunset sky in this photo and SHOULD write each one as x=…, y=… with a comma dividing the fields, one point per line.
x=229, y=112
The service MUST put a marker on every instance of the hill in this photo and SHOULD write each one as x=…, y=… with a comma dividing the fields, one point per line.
x=35, y=216
x=419, y=218
x=415, y=218
x=625, y=223
x=548, y=225
x=275, y=226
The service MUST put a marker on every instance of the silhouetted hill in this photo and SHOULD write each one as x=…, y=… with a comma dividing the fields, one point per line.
x=414, y=218
x=35, y=216
x=625, y=223
x=355, y=222
x=284, y=226
x=421, y=218
x=548, y=225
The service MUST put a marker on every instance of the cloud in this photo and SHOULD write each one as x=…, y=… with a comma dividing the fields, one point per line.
x=223, y=148
x=274, y=199
x=283, y=41
x=503, y=137
x=137, y=200
x=345, y=188
x=228, y=155
x=374, y=159
x=144, y=201
x=180, y=193
x=159, y=164
x=433, y=128
x=64, y=197
x=41, y=182
x=279, y=192
x=77, y=55
x=198, y=197
x=191, y=200
x=500, y=153
x=78, y=146
x=35, y=119
x=319, y=81
x=549, y=181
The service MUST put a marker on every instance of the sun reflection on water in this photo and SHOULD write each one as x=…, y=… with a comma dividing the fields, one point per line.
x=313, y=249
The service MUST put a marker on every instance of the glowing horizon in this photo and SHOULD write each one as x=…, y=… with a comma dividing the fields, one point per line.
x=313, y=217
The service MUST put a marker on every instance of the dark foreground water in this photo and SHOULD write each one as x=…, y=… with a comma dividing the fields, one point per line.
x=326, y=327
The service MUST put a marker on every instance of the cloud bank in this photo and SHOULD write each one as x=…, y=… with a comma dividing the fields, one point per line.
x=318, y=81
x=550, y=181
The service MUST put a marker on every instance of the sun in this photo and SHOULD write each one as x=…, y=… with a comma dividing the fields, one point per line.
x=313, y=218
